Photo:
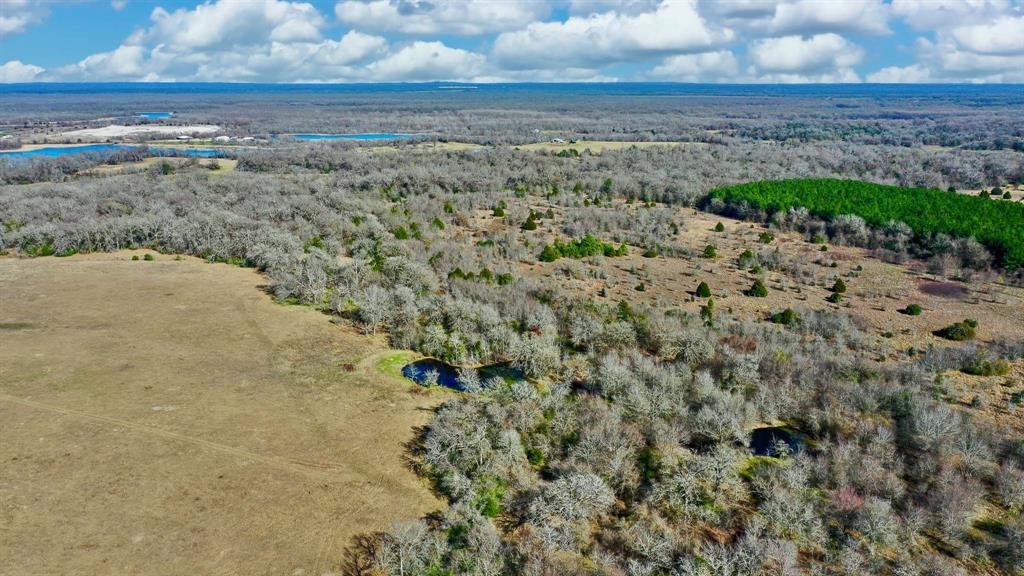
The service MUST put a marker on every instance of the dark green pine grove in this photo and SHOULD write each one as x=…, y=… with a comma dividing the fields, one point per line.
x=997, y=225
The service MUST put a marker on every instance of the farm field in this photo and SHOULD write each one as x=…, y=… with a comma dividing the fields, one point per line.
x=167, y=417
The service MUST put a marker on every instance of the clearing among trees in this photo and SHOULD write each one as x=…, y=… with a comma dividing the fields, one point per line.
x=167, y=417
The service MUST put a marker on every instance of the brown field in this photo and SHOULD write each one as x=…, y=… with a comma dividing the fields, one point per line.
x=167, y=417
x=226, y=165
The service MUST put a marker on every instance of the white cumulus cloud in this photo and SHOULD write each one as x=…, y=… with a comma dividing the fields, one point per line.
x=16, y=16
x=548, y=40
x=17, y=71
x=705, y=66
x=809, y=16
x=609, y=37
x=913, y=74
x=433, y=17
x=1004, y=35
x=821, y=53
x=227, y=23
x=966, y=40
x=934, y=14
x=123, y=63
x=774, y=17
x=427, y=61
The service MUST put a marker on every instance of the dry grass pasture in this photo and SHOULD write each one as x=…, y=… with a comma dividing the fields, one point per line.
x=226, y=165
x=166, y=417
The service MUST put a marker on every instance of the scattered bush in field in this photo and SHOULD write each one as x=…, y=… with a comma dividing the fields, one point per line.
x=913, y=310
x=757, y=290
x=719, y=227
x=766, y=237
x=839, y=287
x=985, y=367
x=44, y=249
x=787, y=317
x=581, y=248
x=710, y=251
x=835, y=297
x=148, y=258
x=703, y=290
x=531, y=222
x=959, y=331
x=707, y=311
x=746, y=259
x=135, y=257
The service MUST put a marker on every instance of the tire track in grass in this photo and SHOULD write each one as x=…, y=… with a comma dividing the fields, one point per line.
x=315, y=470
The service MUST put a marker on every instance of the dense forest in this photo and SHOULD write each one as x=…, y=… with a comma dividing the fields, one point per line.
x=997, y=225
x=954, y=117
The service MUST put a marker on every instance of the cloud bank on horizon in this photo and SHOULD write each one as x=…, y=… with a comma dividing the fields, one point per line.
x=778, y=41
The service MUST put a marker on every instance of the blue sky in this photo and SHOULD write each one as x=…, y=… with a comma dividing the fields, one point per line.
x=785, y=41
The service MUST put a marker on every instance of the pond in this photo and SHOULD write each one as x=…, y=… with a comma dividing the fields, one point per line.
x=367, y=136
x=54, y=151
x=765, y=441
x=156, y=115
x=431, y=371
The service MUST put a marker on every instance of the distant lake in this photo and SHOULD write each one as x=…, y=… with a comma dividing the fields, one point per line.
x=366, y=136
x=55, y=151
x=156, y=115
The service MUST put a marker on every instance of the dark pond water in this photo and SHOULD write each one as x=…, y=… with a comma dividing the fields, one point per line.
x=367, y=136
x=943, y=289
x=54, y=151
x=437, y=372
x=765, y=441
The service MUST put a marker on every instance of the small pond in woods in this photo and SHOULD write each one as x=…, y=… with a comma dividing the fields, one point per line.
x=430, y=371
x=766, y=441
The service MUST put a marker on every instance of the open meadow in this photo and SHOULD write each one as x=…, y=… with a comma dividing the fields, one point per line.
x=167, y=417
